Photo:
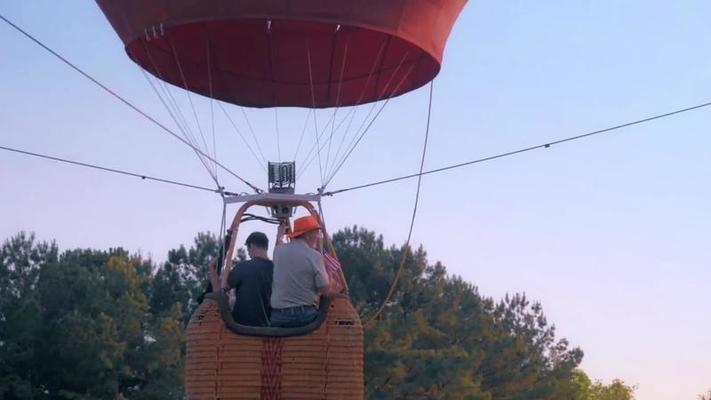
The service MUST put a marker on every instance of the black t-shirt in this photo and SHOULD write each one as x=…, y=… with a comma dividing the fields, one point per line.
x=252, y=281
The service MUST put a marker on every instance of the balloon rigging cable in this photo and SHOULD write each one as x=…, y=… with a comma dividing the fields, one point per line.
x=329, y=193
x=126, y=102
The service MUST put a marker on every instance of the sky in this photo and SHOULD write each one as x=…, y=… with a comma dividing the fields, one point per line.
x=610, y=233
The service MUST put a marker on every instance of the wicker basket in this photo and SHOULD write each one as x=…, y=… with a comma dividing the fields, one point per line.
x=326, y=363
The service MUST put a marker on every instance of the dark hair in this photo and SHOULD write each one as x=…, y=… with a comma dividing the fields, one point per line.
x=258, y=239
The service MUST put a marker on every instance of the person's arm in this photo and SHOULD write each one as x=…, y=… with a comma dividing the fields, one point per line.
x=234, y=279
x=321, y=280
x=212, y=274
x=282, y=231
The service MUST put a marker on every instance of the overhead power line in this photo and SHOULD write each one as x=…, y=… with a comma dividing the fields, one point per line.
x=115, y=171
x=519, y=151
x=126, y=102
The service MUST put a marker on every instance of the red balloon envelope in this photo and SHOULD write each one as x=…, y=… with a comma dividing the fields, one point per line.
x=272, y=53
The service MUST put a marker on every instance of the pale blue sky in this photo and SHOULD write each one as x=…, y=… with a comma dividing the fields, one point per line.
x=611, y=234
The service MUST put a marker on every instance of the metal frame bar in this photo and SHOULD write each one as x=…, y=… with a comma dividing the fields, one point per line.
x=274, y=197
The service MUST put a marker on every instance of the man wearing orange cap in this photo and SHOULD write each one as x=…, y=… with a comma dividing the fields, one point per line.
x=299, y=275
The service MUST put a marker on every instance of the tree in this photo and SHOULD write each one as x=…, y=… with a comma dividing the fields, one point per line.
x=20, y=313
x=438, y=338
x=94, y=324
x=77, y=326
x=705, y=396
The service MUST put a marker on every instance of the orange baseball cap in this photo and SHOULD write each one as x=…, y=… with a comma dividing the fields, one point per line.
x=304, y=225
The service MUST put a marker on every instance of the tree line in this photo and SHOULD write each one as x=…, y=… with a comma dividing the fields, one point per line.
x=108, y=324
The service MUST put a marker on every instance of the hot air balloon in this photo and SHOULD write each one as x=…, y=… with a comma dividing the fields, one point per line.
x=283, y=53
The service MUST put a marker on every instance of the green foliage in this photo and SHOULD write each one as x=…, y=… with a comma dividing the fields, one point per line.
x=439, y=339
x=90, y=324
x=580, y=387
x=77, y=325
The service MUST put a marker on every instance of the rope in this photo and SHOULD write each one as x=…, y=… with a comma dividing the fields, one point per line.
x=276, y=124
x=303, y=132
x=174, y=112
x=336, y=155
x=313, y=104
x=190, y=98
x=370, y=124
x=208, y=55
x=406, y=250
x=383, y=92
x=360, y=98
x=232, y=122
x=271, y=371
x=254, y=136
x=113, y=170
x=352, y=111
x=222, y=234
x=311, y=156
x=338, y=100
x=251, y=217
x=126, y=102
x=523, y=150
x=365, y=120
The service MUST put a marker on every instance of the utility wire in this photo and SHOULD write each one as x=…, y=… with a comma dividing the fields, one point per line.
x=519, y=151
x=113, y=170
x=126, y=102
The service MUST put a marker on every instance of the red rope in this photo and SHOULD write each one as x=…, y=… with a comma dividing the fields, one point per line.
x=272, y=349
x=327, y=346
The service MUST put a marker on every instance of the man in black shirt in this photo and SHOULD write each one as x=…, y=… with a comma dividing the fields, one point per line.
x=252, y=281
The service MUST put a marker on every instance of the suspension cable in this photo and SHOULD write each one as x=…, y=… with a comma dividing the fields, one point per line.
x=186, y=88
x=113, y=170
x=171, y=105
x=352, y=111
x=343, y=139
x=367, y=128
x=254, y=135
x=175, y=114
x=311, y=155
x=303, y=132
x=208, y=56
x=126, y=102
x=357, y=138
x=239, y=132
x=313, y=104
x=276, y=125
x=523, y=150
x=406, y=249
x=360, y=98
x=338, y=100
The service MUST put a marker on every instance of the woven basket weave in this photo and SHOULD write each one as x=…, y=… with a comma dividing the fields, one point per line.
x=324, y=364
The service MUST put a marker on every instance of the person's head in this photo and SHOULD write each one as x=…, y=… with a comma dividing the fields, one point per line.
x=257, y=244
x=308, y=229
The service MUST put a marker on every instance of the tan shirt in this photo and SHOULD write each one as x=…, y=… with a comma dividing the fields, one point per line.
x=299, y=273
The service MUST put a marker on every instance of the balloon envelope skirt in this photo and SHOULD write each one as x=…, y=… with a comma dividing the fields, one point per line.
x=277, y=53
